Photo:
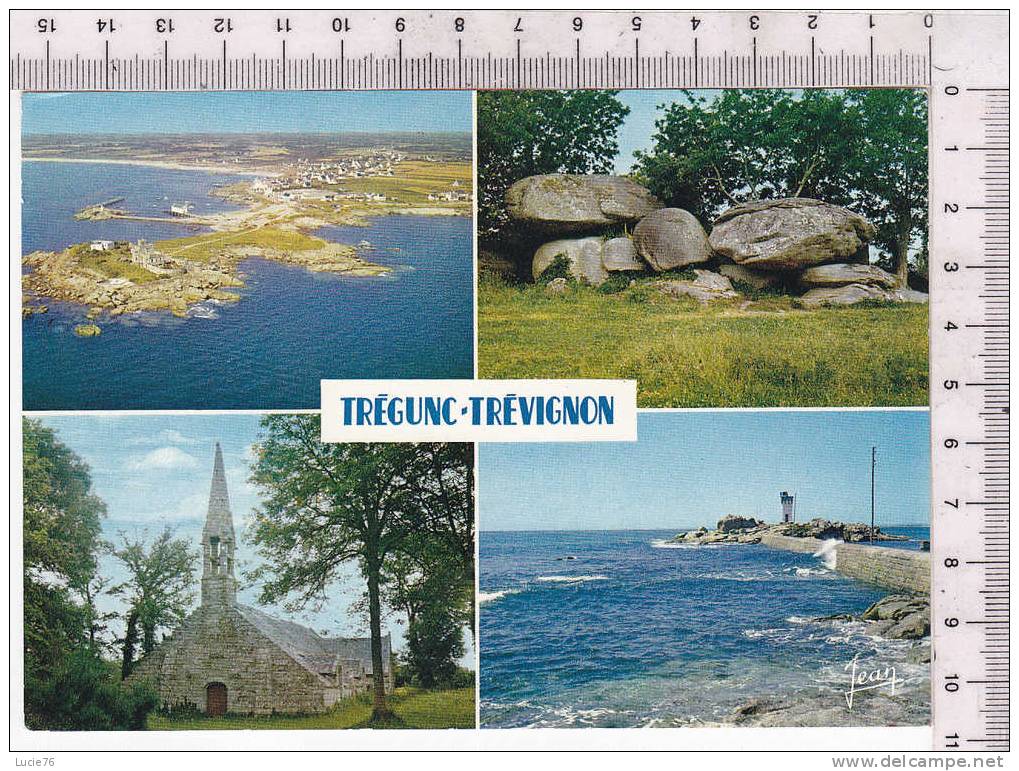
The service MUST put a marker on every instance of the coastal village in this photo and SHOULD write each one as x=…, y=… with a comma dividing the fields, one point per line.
x=281, y=210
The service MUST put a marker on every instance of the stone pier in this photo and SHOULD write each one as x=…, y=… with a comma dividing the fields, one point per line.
x=896, y=569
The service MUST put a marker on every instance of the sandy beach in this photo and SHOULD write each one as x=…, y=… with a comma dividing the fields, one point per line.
x=156, y=164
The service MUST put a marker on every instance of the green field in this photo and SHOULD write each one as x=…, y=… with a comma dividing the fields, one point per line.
x=115, y=263
x=206, y=246
x=414, y=180
x=414, y=708
x=681, y=354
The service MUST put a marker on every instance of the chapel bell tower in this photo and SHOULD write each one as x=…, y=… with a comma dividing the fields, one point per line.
x=218, y=583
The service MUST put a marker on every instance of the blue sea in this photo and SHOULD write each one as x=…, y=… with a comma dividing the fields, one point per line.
x=291, y=328
x=620, y=629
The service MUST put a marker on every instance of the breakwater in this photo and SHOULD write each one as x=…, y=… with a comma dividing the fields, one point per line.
x=905, y=571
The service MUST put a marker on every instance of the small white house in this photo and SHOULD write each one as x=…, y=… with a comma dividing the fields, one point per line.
x=101, y=246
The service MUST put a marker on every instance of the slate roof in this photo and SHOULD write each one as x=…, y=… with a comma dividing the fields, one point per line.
x=315, y=653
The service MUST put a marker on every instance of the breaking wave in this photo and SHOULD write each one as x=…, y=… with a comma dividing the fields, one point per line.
x=570, y=579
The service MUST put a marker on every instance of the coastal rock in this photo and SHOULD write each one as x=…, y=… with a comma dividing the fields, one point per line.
x=577, y=203
x=706, y=287
x=913, y=627
x=843, y=274
x=733, y=522
x=671, y=238
x=582, y=254
x=789, y=234
x=844, y=531
x=87, y=330
x=910, y=705
x=900, y=617
x=919, y=654
x=755, y=279
x=619, y=255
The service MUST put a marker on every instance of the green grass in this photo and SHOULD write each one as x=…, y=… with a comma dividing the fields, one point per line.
x=414, y=180
x=413, y=708
x=116, y=264
x=206, y=246
x=684, y=355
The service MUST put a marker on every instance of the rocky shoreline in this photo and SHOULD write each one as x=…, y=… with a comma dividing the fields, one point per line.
x=600, y=226
x=737, y=529
x=128, y=278
x=900, y=617
x=895, y=617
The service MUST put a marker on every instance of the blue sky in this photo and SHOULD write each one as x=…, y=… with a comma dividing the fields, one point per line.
x=639, y=125
x=307, y=111
x=690, y=469
x=155, y=470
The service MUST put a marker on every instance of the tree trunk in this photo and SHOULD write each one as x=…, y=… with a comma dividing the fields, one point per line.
x=902, y=261
x=148, y=639
x=380, y=709
x=130, y=641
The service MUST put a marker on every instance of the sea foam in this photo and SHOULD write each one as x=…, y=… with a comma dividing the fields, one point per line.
x=570, y=579
x=484, y=597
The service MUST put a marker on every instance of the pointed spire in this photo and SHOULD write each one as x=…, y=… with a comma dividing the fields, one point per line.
x=219, y=520
x=218, y=584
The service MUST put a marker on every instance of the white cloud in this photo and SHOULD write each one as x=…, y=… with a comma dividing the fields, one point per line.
x=163, y=458
x=165, y=436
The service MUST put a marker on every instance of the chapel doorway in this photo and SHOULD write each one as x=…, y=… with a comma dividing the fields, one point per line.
x=215, y=699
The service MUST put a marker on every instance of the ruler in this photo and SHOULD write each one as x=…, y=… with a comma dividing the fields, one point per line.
x=223, y=50
x=969, y=276
x=961, y=57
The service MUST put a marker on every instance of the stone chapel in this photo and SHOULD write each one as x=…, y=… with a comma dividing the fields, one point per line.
x=229, y=657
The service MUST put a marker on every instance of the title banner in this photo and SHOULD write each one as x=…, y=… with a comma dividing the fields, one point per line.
x=479, y=410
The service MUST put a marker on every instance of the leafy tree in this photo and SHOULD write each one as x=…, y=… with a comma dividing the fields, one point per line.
x=330, y=504
x=84, y=694
x=158, y=591
x=889, y=172
x=61, y=541
x=424, y=583
x=863, y=149
x=522, y=133
x=442, y=488
x=710, y=153
x=97, y=621
x=434, y=643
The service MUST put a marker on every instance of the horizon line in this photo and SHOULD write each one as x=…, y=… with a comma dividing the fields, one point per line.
x=637, y=529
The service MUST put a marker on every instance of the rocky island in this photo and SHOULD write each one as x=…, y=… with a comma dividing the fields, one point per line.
x=283, y=199
x=734, y=528
x=120, y=277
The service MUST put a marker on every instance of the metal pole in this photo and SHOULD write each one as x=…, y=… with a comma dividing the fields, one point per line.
x=873, y=463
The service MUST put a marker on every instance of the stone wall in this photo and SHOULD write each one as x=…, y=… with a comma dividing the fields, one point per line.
x=907, y=571
x=217, y=645
x=896, y=569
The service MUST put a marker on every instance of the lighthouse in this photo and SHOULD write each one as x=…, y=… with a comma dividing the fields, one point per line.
x=788, y=509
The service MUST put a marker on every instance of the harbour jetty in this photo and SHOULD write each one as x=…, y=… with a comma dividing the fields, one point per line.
x=847, y=545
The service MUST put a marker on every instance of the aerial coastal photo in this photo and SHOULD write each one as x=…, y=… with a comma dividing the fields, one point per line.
x=754, y=569
x=198, y=251
x=723, y=248
x=194, y=572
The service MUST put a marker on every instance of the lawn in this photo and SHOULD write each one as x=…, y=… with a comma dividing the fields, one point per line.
x=681, y=354
x=414, y=708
